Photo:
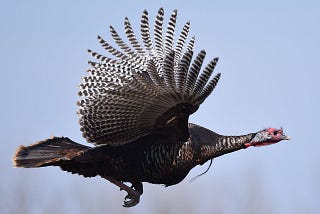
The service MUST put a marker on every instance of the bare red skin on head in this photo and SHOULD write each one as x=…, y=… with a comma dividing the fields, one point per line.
x=246, y=145
x=276, y=135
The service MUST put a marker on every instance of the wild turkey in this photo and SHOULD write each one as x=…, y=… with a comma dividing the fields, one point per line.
x=135, y=109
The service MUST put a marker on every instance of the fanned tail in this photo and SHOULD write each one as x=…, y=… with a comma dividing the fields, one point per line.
x=47, y=152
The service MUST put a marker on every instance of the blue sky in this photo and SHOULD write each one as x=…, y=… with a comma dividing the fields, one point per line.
x=269, y=59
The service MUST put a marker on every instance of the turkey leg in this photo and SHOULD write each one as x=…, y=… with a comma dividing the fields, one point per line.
x=134, y=192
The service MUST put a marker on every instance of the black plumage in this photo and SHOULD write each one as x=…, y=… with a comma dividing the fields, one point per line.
x=135, y=108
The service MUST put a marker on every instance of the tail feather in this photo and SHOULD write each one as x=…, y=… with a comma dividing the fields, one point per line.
x=47, y=152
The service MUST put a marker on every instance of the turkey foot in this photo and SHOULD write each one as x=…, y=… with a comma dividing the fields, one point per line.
x=134, y=192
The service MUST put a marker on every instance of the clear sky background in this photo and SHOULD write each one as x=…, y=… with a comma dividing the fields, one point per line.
x=269, y=59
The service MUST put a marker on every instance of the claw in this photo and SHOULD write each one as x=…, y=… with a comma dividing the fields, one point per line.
x=133, y=197
x=134, y=192
x=131, y=200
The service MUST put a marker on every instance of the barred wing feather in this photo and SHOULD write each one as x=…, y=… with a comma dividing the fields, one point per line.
x=143, y=89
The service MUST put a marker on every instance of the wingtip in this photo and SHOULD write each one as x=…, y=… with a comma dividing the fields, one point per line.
x=126, y=20
x=91, y=63
x=161, y=10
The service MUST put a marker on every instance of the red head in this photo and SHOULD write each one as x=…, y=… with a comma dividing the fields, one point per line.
x=267, y=136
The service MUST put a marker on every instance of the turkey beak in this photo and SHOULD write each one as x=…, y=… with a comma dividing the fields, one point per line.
x=284, y=137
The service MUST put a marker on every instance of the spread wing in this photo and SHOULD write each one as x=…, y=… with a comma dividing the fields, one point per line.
x=144, y=89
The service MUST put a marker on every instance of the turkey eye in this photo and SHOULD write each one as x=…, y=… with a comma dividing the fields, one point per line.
x=275, y=132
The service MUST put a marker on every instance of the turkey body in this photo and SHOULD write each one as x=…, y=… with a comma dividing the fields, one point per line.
x=141, y=161
x=154, y=158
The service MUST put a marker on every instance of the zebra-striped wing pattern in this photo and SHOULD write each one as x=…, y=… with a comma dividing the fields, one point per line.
x=144, y=87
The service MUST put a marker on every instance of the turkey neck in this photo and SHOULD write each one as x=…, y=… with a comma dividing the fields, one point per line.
x=210, y=144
